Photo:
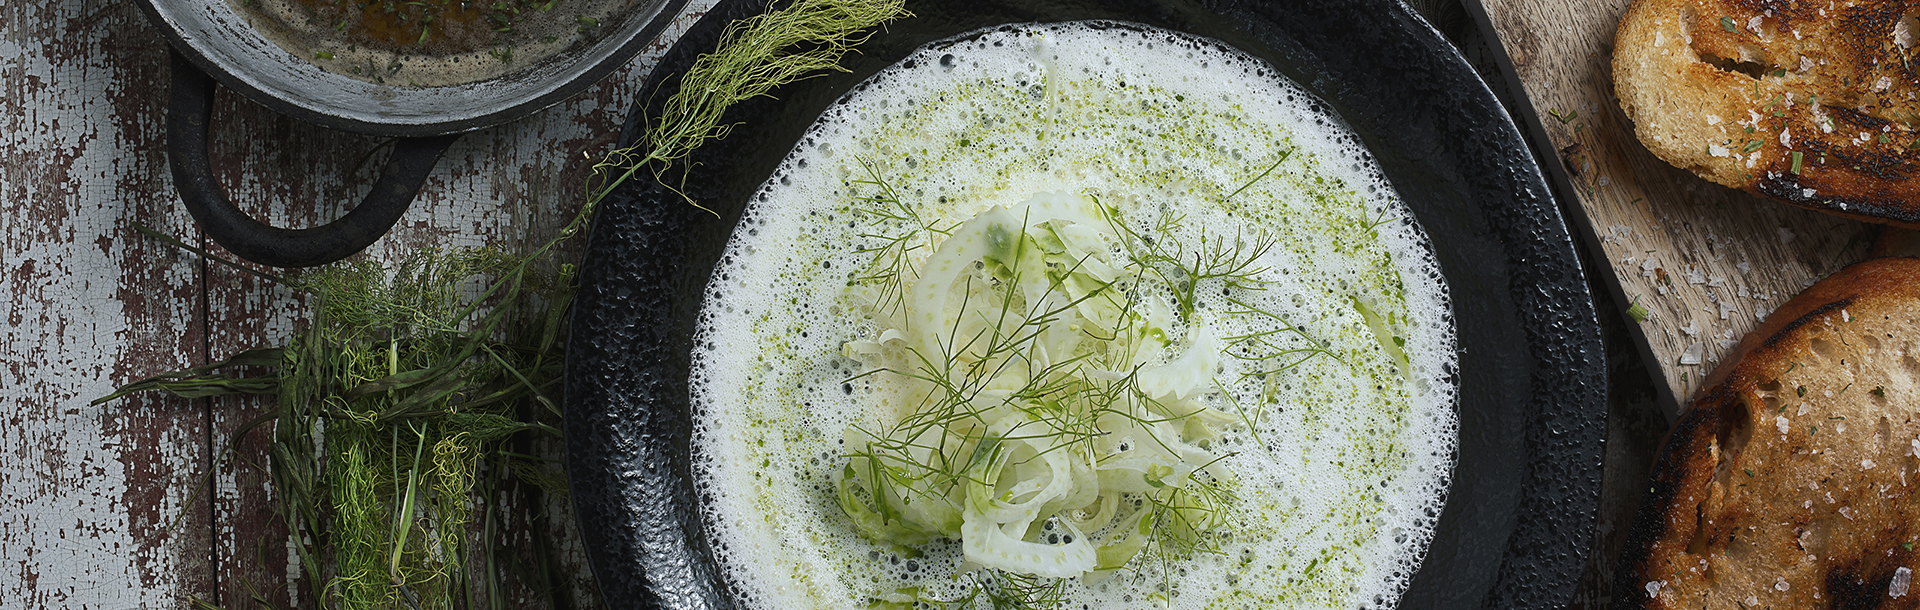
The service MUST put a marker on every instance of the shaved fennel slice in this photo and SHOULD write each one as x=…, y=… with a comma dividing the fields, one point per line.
x=1052, y=426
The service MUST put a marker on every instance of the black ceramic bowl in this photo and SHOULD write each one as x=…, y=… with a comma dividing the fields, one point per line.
x=1517, y=524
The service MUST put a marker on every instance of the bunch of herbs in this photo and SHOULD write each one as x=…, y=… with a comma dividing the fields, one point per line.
x=412, y=399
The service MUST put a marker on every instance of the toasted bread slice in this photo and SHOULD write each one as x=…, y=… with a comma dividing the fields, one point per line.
x=1810, y=102
x=1793, y=480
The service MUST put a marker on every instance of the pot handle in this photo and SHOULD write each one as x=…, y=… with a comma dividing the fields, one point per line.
x=189, y=114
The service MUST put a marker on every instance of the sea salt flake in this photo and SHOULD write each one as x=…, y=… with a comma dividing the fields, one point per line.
x=1867, y=464
x=1902, y=579
x=1653, y=588
x=1780, y=584
x=1782, y=423
x=1693, y=353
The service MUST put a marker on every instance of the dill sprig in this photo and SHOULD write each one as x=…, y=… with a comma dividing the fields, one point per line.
x=754, y=56
x=947, y=438
x=892, y=259
x=402, y=401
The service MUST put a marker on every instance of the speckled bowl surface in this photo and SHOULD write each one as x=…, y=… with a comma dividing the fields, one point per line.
x=1518, y=521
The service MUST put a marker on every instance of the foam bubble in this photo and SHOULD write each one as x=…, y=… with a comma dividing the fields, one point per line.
x=1348, y=457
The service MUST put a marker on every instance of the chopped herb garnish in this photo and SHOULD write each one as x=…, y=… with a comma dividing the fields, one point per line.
x=1637, y=311
x=1796, y=163
x=1753, y=145
x=1726, y=23
x=1880, y=391
x=322, y=55
x=1749, y=471
x=1800, y=391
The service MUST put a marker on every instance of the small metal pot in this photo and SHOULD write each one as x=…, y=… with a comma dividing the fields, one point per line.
x=215, y=46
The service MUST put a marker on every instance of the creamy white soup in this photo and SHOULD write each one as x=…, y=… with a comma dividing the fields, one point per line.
x=1096, y=315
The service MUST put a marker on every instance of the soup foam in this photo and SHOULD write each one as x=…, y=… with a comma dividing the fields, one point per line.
x=1345, y=458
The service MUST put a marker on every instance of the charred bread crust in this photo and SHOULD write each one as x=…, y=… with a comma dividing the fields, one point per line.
x=1793, y=480
x=1813, y=103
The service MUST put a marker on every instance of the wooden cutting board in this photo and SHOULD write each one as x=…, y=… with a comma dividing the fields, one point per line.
x=1704, y=261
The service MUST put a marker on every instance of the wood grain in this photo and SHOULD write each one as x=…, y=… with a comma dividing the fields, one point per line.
x=1707, y=262
x=100, y=506
x=96, y=502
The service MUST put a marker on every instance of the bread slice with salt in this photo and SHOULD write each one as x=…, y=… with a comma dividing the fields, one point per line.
x=1793, y=479
x=1811, y=103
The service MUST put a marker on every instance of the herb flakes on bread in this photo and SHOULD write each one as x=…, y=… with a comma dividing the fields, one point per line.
x=1811, y=103
x=1793, y=480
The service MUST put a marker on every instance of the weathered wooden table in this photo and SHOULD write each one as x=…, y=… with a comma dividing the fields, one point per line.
x=98, y=504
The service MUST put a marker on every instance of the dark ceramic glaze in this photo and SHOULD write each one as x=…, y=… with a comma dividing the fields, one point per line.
x=1517, y=525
